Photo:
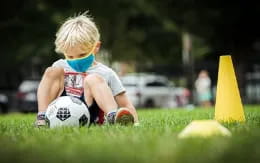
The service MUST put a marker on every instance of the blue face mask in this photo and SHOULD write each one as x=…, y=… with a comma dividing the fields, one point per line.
x=81, y=64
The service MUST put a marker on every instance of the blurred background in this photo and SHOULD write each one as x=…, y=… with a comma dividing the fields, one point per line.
x=157, y=47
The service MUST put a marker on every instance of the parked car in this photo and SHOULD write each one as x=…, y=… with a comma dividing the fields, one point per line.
x=4, y=103
x=26, y=96
x=149, y=90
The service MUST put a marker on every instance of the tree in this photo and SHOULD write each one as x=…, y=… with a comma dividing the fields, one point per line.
x=228, y=27
x=143, y=31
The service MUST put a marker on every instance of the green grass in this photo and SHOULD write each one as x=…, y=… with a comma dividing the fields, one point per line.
x=154, y=141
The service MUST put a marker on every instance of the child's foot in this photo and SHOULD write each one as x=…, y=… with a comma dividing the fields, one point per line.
x=122, y=116
x=40, y=121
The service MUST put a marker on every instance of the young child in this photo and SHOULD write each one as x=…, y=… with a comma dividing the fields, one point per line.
x=80, y=75
x=203, y=88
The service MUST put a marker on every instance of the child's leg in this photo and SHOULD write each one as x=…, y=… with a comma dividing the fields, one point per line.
x=96, y=88
x=51, y=85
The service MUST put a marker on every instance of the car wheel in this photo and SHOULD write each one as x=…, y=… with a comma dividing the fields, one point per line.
x=3, y=108
x=149, y=103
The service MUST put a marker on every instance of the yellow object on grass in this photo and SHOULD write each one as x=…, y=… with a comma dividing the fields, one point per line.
x=228, y=107
x=204, y=128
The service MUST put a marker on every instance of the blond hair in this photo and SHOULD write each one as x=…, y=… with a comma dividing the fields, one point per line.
x=77, y=30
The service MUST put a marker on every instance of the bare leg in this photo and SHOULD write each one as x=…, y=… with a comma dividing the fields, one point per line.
x=96, y=88
x=50, y=87
x=207, y=104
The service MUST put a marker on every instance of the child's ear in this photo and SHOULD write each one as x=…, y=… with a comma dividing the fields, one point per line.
x=98, y=45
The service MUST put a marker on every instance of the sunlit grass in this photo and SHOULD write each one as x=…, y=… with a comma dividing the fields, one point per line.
x=154, y=141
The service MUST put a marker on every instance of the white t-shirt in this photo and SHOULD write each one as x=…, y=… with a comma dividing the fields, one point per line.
x=202, y=85
x=73, y=81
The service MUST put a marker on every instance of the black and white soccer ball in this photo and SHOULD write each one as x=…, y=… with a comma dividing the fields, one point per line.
x=67, y=111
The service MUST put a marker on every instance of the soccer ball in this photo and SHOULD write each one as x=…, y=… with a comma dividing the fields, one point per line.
x=67, y=111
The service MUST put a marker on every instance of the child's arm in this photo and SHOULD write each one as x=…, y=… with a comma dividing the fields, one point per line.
x=123, y=101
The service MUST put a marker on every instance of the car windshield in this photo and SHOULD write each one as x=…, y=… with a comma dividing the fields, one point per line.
x=156, y=84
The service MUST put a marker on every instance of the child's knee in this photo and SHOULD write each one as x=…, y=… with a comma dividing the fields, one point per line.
x=93, y=79
x=54, y=72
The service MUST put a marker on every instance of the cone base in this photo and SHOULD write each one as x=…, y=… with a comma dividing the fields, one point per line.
x=204, y=129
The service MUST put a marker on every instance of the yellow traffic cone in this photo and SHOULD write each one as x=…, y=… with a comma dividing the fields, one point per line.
x=228, y=107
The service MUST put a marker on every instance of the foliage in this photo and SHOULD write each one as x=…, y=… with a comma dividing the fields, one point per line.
x=228, y=27
x=143, y=31
x=154, y=141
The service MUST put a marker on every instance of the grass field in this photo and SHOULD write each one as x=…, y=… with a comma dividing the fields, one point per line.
x=154, y=141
